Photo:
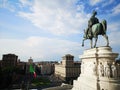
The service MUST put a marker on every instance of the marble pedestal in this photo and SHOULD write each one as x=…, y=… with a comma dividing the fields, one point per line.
x=98, y=70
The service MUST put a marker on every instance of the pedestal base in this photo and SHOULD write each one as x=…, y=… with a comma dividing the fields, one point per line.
x=97, y=70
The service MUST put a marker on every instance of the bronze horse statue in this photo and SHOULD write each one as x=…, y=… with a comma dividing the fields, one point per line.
x=97, y=29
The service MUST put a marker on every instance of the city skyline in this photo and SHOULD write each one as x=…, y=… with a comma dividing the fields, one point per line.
x=48, y=30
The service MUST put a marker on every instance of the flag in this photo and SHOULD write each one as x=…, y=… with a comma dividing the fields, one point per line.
x=35, y=75
x=31, y=70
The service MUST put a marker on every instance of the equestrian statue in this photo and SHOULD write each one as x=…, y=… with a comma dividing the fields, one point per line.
x=94, y=29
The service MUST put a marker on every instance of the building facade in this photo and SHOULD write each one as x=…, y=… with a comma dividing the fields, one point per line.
x=46, y=68
x=9, y=60
x=67, y=70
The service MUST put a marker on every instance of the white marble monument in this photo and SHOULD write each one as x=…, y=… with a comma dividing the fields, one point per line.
x=98, y=70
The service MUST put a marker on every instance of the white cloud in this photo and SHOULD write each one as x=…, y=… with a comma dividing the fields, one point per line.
x=114, y=39
x=94, y=2
x=7, y=5
x=24, y=3
x=39, y=47
x=107, y=2
x=116, y=10
x=112, y=27
x=56, y=17
x=103, y=2
x=114, y=34
x=59, y=17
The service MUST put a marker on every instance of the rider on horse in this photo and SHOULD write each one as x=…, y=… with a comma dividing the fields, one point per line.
x=93, y=20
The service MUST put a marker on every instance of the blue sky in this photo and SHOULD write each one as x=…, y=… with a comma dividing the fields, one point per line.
x=49, y=29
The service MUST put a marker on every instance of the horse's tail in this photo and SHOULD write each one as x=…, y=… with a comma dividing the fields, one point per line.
x=104, y=24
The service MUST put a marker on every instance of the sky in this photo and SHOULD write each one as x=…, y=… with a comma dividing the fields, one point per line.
x=46, y=30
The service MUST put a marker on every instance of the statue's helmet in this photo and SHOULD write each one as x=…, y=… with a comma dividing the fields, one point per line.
x=94, y=12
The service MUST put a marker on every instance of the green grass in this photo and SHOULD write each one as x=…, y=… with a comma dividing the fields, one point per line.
x=40, y=81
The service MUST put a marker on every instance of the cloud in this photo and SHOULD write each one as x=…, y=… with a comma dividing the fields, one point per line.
x=56, y=17
x=7, y=5
x=112, y=27
x=114, y=39
x=116, y=10
x=39, y=47
x=114, y=33
x=25, y=2
x=108, y=2
x=102, y=2
x=94, y=2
